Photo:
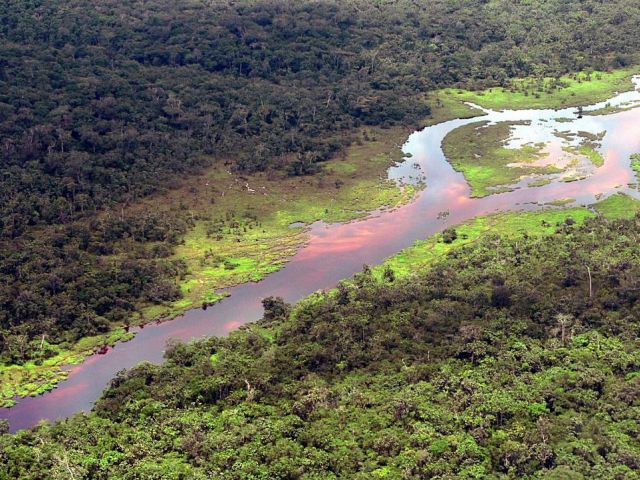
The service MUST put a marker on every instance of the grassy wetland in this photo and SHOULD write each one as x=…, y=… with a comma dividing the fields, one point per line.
x=577, y=89
x=247, y=226
x=320, y=240
x=242, y=232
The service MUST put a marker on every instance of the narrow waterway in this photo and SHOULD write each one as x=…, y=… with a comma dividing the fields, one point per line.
x=338, y=251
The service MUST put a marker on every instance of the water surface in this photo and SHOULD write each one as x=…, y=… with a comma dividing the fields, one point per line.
x=337, y=251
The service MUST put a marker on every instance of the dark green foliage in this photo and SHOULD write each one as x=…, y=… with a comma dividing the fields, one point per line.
x=427, y=377
x=76, y=281
x=105, y=102
x=388, y=274
x=275, y=307
x=449, y=235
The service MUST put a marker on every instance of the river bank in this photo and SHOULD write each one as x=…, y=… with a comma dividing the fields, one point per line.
x=330, y=254
x=242, y=233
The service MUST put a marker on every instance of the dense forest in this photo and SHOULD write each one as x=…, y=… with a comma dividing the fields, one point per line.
x=506, y=359
x=104, y=103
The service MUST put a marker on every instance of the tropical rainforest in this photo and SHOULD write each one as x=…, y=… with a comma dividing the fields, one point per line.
x=103, y=103
x=499, y=361
x=505, y=358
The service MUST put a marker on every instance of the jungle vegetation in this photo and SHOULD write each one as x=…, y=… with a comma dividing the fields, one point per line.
x=474, y=354
x=509, y=357
x=103, y=104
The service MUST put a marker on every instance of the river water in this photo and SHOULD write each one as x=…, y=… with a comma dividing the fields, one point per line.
x=337, y=251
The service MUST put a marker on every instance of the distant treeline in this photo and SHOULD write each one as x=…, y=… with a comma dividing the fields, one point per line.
x=103, y=103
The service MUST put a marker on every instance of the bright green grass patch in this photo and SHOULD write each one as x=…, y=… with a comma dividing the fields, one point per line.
x=568, y=91
x=587, y=147
x=267, y=333
x=36, y=377
x=344, y=168
x=213, y=359
x=244, y=232
x=445, y=107
x=618, y=206
x=477, y=150
x=509, y=225
x=587, y=151
x=592, y=154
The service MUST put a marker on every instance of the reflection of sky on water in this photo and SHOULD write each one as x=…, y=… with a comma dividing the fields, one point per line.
x=334, y=252
x=558, y=130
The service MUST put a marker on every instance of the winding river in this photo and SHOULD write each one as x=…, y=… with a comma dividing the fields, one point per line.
x=337, y=251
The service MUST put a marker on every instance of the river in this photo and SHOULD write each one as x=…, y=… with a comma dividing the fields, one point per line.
x=337, y=251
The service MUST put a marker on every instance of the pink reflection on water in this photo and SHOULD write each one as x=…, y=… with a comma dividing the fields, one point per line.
x=232, y=325
x=338, y=251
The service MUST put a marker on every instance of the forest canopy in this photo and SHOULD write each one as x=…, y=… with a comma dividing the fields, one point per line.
x=506, y=359
x=104, y=103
